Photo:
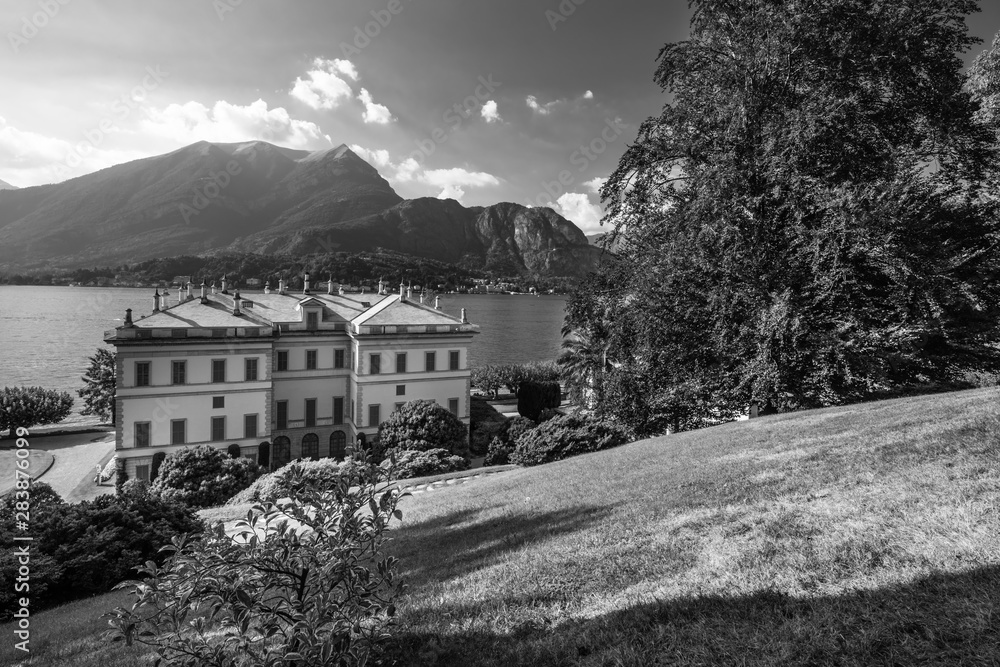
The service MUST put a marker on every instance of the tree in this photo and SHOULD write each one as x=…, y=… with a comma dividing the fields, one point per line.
x=423, y=425
x=584, y=360
x=984, y=84
x=32, y=406
x=534, y=397
x=98, y=393
x=203, y=476
x=805, y=219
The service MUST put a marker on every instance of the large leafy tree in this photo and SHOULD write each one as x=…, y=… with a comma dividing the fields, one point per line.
x=32, y=406
x=98, y=392
x=804, y=220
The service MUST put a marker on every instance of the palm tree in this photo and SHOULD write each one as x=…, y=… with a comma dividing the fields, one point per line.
x=584, y=361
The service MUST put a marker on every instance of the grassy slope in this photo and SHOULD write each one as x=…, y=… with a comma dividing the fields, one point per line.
x=849, y=536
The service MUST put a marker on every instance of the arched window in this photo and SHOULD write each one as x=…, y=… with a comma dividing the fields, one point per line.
x=338, y=445
x=310, y=446
x=281, y=452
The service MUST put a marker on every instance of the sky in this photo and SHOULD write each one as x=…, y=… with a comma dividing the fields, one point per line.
x=483, y=101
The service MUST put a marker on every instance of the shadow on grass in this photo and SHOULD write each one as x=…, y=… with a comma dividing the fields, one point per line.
x=936, y=620
x=479, y=537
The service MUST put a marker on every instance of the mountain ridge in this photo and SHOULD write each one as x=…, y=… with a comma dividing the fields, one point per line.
x=261, y=198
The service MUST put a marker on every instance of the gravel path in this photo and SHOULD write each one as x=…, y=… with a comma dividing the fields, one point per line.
x=76, y=455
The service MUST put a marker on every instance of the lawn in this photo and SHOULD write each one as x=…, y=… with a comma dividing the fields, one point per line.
x=861, y=535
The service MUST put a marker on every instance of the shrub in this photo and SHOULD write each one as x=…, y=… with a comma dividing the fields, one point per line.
x=422, y=425
x=410, y=463
x=134, y=488
x=317, y=590
x=533, y=397
x=121, y=476
x=234, y=451
x=503, y=444
x=547, y=414
x=109, y=469
x=32, y=406
x=203, y=476
x=154, y=470
x=86, y=548
x=482, y=436
x=324, y=474
x=487, y=379
x=566, y=436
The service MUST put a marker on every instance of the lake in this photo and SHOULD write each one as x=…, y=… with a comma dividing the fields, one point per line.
x=47, y=333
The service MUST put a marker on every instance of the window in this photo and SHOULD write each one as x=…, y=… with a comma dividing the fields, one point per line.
x=312, y=321
x=338, y=358
x=374, y=415
x=218, y=428
x=454, y=359
x=282, y=362
x=310, y=412
x=310, y=446
x=142, y=473
x=250, y=369
x=218, y=370
x=453, y=406
x=401, y=362
x=282, y=414
x=250, y=426
x=142, y=373
x=218, y=402
x=141, y=434
x=430, y=361
x=338, y=445
x=178, y=431
x=338, y=410
x=400, y=390
x=311, y=360
x=376, y=363
x=178, y=372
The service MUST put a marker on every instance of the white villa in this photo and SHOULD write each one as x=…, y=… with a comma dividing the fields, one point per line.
x=311, y=374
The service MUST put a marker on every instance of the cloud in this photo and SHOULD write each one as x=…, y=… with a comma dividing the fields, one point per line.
x=374, y=113
x=376, y=158
x=226, y=122
x=595, y=184
x=324, y=86
x=455, y=192
x=589, y=95
x=576, y=207
x=457, y=177
x=490, y=113
x=540, y=109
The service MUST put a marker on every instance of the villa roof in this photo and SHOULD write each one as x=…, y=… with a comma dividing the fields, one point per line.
x=405, y=312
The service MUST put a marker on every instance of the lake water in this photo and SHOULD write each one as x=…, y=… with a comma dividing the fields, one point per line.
x=48, y=333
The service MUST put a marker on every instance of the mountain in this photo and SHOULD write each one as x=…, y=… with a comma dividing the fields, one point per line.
x=4, y=185
x=260, y=198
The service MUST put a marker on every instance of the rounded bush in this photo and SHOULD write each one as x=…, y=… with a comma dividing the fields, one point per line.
x=423, y=425
x=323, y=474
x=566, y=436
x=503, y=444
x=203, y=476
x=410, y=463
x=234, y=451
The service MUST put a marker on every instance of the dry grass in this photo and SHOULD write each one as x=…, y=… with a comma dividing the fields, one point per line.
x=866, y=535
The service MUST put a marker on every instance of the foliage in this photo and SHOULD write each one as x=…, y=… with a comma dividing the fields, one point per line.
x=83, y=549
x=506, y=439
x=422, y=425
x=566, y=436
x=121, y=475
x=490, y=378
x=32, y=406
x=533, y=397
x=789, y=244
x=583, y=362
x=482, y=434
x=203, y=476
x=98, y=392
x=305, y=582
x=487, y=378
x=134, y=488
x=109, y=469
x=324, y=473
x=984, y=85
x=484, y=422
x=409, y=463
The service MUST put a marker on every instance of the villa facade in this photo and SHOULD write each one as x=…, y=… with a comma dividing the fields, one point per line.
x=311, y=374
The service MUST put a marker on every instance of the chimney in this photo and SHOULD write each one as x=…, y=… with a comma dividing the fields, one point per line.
x=465, y=320
x=340, y=289
x=267, y=287
x=128, y=318
x=190, y=290
x=281, y=285
x=213, y=287
x=305, y=284
x=381, y=286
x=421, y=297
x=236, y=302
x=224, y=290
x=437, y=302
x=180, y=293
x=402, y=291
x=204, y=290
x=156, y=300
x=409, y=291
x=329, y=285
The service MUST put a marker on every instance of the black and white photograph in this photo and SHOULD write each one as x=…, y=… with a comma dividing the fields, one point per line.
x=499, y=333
